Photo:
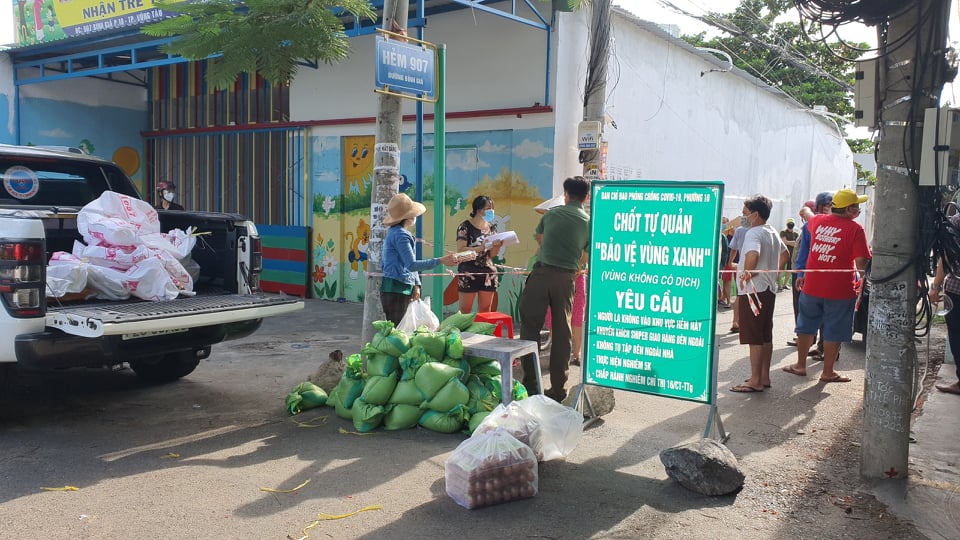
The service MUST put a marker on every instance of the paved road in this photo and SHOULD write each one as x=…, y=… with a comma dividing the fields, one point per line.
x=188, y=459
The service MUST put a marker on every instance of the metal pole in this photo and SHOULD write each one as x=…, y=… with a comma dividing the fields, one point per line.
x=439, y=172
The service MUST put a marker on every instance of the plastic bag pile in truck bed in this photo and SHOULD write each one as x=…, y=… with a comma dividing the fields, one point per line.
x=123, y=254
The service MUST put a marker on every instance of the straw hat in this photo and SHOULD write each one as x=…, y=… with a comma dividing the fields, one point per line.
x=401, y=207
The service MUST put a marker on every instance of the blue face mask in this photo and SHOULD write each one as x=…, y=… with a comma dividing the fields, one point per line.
x=488, y=216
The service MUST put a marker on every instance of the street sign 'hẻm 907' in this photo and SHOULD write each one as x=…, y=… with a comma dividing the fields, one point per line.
x=406, y=68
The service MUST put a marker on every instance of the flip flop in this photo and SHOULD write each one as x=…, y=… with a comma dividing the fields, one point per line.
x=765, y=386
x=836, y=378
x=949, y=389
x=734, y=330
x=790, y=369
x=744, y=389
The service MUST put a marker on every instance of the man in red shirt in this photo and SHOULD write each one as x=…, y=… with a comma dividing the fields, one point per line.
x=828, y=298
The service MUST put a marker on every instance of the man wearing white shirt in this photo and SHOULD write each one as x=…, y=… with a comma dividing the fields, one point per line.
x=763, y=256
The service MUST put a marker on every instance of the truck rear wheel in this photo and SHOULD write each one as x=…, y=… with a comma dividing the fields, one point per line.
x=169, y=367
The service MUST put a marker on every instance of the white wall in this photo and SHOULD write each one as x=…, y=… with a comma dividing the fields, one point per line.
x=492, y=63
x=674, y=124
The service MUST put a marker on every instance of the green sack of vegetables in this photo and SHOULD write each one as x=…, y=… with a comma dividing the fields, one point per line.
x=474, y=360
x=454, y=343
x=389, y=340
x=383, y=365
x=490, y=368
x=444, y=422
x=481, y=398
x=406, y=393
x=475, y=420
x=367, y=416
x=484, y=328
x=452, y=394
x=343, y=412
x=411, y=361
x=460, y=364
x=351, y=383
x=432, y=376
x=519, y=391
x=305, y=395
x=494, y=384
x=460, y=321
x=401, y=416
x=378, y=389
x=435, y=343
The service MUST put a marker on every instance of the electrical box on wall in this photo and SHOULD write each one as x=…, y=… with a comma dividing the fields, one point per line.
x=865, y=94
x=940, y=150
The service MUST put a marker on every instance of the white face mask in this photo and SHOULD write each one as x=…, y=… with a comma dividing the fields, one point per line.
x=168, y=196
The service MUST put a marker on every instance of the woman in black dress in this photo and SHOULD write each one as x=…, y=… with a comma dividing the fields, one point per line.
x=479, y=276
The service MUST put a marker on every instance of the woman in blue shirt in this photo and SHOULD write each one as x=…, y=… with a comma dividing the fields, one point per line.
x=401, y=278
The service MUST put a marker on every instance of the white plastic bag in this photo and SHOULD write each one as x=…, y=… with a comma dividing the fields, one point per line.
x=560, y=426
x=516, y=421
x=65, y=274
x=116, y=220
x=491, y=468
x=419, y=314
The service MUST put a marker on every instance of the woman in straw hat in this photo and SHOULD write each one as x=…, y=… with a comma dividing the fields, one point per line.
x=401, y=278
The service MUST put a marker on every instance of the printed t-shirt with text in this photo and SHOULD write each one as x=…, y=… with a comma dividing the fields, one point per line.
x=834, y=244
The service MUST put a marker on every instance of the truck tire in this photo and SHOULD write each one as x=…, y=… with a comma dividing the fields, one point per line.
x=167, y=368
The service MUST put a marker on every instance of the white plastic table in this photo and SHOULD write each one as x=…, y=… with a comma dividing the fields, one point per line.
x=504, y=351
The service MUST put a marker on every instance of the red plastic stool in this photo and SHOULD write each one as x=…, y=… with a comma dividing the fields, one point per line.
x=499, y=319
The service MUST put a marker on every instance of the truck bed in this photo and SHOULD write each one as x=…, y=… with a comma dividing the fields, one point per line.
x=131, y=317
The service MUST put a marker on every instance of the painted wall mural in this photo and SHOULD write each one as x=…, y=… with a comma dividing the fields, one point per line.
x=514, y=167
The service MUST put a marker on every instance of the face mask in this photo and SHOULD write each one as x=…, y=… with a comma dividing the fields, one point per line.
x=488, y=216
x=168, y=196
x=790, y=226
x=745, y=222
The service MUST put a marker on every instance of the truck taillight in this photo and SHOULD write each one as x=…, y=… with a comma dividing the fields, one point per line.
x=22, y=277
x=256, y=262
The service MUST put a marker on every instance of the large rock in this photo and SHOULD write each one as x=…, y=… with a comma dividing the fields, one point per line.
x=705, y=466
x=601, y=398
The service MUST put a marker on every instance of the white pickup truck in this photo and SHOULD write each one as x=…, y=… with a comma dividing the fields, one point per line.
x=42, y=192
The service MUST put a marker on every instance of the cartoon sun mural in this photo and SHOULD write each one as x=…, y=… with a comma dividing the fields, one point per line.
x=359, y=164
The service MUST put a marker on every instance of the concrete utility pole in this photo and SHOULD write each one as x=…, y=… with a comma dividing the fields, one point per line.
x=910, y=80
x=386, y=175
x=595, y=91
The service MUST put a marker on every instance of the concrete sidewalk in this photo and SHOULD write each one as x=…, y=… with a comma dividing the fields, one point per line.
x=930, y=497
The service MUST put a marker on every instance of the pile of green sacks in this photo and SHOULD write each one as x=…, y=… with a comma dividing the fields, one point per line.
x=422, y=379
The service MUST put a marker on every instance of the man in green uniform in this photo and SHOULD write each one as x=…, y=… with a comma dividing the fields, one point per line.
x=564, y=237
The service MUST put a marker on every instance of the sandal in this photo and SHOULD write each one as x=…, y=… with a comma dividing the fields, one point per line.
x=734, y=329
x=575, y=361
x=791, y=369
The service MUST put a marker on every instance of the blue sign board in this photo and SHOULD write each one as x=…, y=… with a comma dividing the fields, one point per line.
x=406, y=68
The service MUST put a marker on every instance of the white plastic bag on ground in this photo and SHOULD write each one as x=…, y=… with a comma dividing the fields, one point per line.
x=560, y=426
x=491, y=468
x=419, y=314
x=114, y=219
x=516, y=421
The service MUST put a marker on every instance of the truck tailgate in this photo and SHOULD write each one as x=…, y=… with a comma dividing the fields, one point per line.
x=141, y=317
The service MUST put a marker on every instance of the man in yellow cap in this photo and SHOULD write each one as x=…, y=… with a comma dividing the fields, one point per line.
x=828, y=297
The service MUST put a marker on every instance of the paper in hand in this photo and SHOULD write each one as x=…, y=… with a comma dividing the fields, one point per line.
x=508, y=238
